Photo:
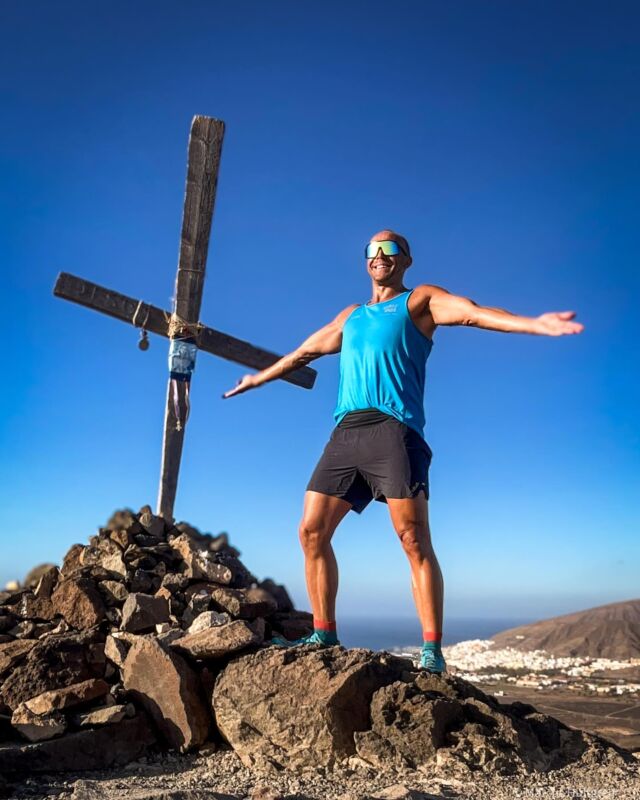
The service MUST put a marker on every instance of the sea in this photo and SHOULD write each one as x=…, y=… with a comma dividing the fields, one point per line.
x=402, y=632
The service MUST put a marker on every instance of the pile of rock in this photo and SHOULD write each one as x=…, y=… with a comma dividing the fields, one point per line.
x=303, y=708
x=136, y=624
x=155, y=636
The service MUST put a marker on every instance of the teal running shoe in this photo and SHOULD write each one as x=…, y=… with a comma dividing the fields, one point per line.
x=432, y=661
x=313, y=638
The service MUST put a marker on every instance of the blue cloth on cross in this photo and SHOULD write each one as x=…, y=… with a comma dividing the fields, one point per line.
x=182, y=359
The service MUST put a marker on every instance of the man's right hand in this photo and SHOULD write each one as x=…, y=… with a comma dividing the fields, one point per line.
x=246, y=382
x=326, y=340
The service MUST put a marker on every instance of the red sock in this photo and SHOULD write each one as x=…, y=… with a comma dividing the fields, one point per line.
x=324, y=625
x=432, y=636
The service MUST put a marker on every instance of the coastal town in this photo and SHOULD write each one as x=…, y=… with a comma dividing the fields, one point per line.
x=476, y=661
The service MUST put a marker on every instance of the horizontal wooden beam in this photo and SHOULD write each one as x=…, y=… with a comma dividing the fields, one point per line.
x=155, y=320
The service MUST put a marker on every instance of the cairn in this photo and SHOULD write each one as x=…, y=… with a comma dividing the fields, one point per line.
x=132, y=629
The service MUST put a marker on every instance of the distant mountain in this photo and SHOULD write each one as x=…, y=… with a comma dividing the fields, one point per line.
x=611, y=631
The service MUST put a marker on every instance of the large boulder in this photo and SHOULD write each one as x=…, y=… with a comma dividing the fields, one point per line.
x=169, y=689
x=297, y=708
x=316, y=707
x=443, y=717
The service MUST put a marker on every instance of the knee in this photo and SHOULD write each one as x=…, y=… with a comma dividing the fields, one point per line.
x=415, y=542
x=313, y=537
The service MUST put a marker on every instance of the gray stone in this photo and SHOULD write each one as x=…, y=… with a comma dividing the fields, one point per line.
x=142, y=612
x=174, y=582
x=34, y=575
x=222, y=640
x=123, y=519
x=26, y=629
x=113, y=592
x=279, y=594
x=197, y=604
x=153, y=525
x=165, y=639
x=12, y=653
x=31, y=608
x=142, y=582
x=67, y=696
x=108, y=715
x=71, y=561
x=292, y=624
x=244, y=603
x=94, y=748
x=209, y=619
x=78, y=600
x=112, y=559
x=56, y=661
x=36, y=727
x=398, y=791
x=170, y=690
x=198, y=564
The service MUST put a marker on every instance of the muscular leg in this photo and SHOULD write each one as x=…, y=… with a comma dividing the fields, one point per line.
x=410, y=518
x=321, y=516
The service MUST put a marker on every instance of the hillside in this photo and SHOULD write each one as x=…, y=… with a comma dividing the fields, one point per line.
x=609, y=631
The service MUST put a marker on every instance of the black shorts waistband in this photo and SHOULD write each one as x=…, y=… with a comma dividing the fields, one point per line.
x=365, y=416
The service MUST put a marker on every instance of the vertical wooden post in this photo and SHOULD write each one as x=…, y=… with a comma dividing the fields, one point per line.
x=205, y=146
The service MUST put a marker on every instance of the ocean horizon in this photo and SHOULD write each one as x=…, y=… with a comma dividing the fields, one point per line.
x=388, y=633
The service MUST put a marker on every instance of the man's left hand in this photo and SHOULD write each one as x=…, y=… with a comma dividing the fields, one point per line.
x=557, y=323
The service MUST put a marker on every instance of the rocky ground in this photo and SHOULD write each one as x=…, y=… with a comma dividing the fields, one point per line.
x=142, y=668
x=222, y=776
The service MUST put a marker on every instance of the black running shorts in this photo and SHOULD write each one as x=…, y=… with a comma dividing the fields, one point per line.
x=373, y=462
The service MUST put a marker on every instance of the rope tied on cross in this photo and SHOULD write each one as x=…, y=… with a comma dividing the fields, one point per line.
x=181, y=329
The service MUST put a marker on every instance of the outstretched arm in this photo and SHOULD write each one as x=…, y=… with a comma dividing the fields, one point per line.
x=451, y=309
x=321, y=343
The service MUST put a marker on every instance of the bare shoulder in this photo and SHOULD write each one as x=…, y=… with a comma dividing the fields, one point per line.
x=421, y=296
x=425, y=291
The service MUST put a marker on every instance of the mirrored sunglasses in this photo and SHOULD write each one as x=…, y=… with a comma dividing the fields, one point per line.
x=388, y=247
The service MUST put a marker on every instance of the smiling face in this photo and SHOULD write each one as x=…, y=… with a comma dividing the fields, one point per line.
x=388, y=270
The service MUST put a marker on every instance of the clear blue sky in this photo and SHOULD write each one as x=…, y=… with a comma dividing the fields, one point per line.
x=501, y=138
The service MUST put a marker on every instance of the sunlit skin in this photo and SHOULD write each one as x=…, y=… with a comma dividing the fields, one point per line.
x=429, y=307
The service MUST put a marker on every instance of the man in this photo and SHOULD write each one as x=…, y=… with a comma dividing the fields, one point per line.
x=377, y=450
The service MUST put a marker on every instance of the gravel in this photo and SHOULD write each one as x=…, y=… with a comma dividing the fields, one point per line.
x=219, y=775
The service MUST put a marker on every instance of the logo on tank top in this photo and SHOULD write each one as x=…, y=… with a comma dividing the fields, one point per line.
x=390, y=309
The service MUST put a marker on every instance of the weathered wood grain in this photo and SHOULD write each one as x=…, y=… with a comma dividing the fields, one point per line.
x=155, y=320
x=205, y=147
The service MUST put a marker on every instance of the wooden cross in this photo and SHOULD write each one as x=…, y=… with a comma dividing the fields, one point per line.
x=181, y=326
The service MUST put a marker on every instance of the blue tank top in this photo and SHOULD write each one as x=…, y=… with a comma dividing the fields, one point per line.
x=383, y=362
